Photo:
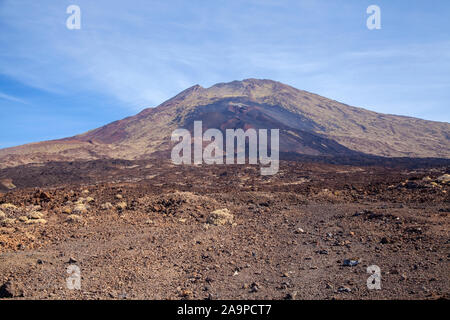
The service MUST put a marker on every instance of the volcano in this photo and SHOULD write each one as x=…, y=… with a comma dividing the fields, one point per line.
x=354, y=185
x=309, y=125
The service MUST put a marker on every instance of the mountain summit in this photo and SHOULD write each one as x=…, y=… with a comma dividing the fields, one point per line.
x=309, y=124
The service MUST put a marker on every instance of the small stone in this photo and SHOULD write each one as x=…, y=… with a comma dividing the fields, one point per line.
x=72, y=260
x=90, y=200
x=122, y=295
x=80, y=201
x=7, y=183
x=36, y=215
x=22, y=219
x=34, y=208
x=121, y=206
x=384, y=240
x=445, y=179
x=344, y=289
x=299, y=230
x=36, y=221
x=220, y=217
x=2, y=215
x=394, y=271
x=350, y=262
x=107, y=206
x=186, y=293
x=291, y=296
x=67, y=210
x=43, y=196
x=254, y=287
x=74, y=218
x=118, y=196
x=80, y=209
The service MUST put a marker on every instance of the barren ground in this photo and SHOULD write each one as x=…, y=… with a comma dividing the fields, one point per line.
x=289, y=236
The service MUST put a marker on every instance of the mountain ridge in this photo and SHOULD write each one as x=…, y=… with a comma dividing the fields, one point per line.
x=311, y=124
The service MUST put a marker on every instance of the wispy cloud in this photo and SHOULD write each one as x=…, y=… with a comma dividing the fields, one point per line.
x=143, y=52
x=8, y=97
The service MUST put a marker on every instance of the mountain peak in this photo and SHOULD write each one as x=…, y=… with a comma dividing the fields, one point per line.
x=308, y=123
x=250, y=88
x=190, y=90
x=246, y=82
x=250, y=83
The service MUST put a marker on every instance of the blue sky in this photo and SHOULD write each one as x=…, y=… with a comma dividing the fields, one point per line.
x=129, y=55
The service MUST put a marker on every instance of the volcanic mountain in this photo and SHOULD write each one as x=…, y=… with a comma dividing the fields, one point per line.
x=309, y=125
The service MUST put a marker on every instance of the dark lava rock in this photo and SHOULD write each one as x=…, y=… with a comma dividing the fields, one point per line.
x=291, y=296
x=350, y=263
x=344, y=289
x=11, y=289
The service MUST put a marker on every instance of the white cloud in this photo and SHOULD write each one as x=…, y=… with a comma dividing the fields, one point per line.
x=8, y=97
x=144, y=52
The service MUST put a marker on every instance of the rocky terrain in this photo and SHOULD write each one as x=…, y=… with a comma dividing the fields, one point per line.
x=226, y=232
x=354, y=189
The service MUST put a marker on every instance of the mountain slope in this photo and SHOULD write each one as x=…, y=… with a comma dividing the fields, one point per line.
x=309, y=124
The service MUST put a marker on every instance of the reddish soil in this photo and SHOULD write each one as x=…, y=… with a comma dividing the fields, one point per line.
x=290, y=235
